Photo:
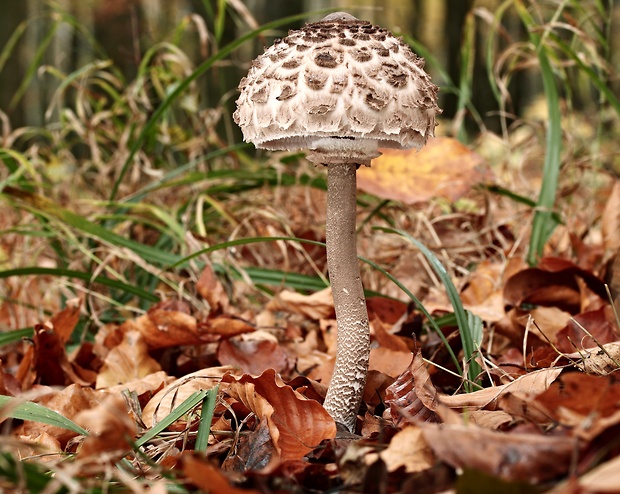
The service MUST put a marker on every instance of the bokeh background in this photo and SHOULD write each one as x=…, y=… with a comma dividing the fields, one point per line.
x=39, y=37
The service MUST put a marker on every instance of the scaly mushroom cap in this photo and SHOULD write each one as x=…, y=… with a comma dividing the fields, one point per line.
x=340, y=87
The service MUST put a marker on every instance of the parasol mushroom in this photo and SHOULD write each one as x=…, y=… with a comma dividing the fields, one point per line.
x=340, y=88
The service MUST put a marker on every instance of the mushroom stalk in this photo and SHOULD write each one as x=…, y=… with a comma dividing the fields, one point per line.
x=346, y=388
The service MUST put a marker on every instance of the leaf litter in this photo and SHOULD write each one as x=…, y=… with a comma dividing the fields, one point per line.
x=546, y=416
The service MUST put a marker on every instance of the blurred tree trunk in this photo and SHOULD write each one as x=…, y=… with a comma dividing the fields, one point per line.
x=13, y=12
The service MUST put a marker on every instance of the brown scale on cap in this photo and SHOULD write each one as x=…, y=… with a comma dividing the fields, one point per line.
x=340, y=77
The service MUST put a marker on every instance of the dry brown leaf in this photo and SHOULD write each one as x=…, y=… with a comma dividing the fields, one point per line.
x=254, y=355
x=211, y=289
x=166, y=400
x=111, y=429
x=610, y=221
x=522, y=457
x=296, y=424
x=412, y=397
x=588, y=404
x=597, y=360
x=127, y=362
x=65, y=321
x=147, y=384
x=604, y=479
x=227, y=326
x=208, y=477
x=532, y=383
x=319, y=305
x=162, y=328
x=489, y=419
x=408, y=449
x=68, y=402
x=390, y=362
x=554, y=282
x=443, y=168
x=388, y=340
x=600, y=323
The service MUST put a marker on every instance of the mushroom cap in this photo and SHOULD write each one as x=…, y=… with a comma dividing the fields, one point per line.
x=341, y=88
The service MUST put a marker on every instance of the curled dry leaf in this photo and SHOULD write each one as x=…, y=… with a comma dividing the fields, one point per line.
x=412, y=397
x=51, y=363
x=319, y=305
x=297, y=425
x=111, y=429
x=127, y=362
x=520, y=457
x=166, y=400
x=443, y=168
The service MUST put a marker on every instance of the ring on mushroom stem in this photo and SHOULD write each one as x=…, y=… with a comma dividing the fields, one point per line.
x=341, y=88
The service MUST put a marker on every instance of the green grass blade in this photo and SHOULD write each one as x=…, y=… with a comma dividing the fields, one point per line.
x=544, y=224
x=26, y=410
x=80, y=275
x=204, y=428
x=184, y=408
x=471, y=338
x=13, y=336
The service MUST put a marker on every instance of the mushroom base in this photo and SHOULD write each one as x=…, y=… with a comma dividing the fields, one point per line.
x=346, y=387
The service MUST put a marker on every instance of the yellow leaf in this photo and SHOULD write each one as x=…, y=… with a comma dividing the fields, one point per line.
x=443, y=168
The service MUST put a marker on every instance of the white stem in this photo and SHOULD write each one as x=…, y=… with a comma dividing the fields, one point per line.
x=346, y=388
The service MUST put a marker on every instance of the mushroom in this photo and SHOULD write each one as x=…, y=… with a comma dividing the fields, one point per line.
x=340, y=88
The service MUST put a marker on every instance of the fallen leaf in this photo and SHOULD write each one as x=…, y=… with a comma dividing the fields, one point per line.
x=443, y=168
x=532, y=383
x=597, y=360
x=599, y=323
x=208, y=477
x=211, y=289
x=588, y=404
x=127, y=362
x=296, y=424
x=409, y=450
x=319, y=305
x=254, y=356
x=603, y=479
x=162, y=328
x=390, y=362
x=68, y=402
x=523, y=457
x=111, y=429
x=166, y=400
x=610, y=221
x=554, y=282
x=63, y=323
x=412, y=397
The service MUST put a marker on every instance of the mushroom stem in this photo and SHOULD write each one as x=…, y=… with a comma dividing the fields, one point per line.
x=346, y=388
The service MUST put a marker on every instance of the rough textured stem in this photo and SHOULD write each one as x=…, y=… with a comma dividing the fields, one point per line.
x=344, y=394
